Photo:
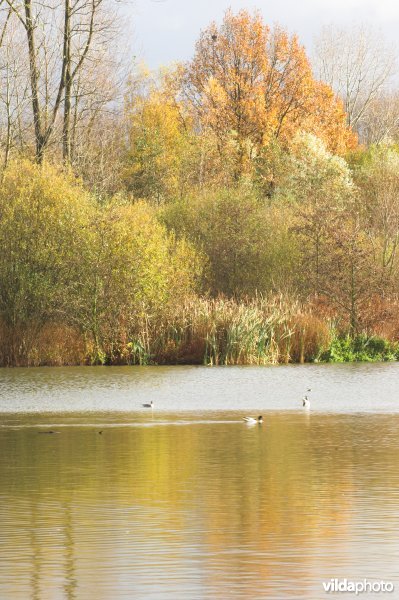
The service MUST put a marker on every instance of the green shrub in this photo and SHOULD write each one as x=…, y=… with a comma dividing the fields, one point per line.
x=361, y=348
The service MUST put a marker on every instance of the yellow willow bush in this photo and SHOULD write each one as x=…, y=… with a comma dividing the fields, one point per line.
x=44, y=216
x=248, y=243
x=134, y=269
x=74, y=268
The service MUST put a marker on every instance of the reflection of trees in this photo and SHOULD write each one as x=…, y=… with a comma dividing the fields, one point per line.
x=248, y=507
x=36, y=554
x=52, y=549
x=70, y=569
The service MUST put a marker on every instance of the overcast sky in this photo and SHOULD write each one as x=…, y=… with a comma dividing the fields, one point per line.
x=166, y=30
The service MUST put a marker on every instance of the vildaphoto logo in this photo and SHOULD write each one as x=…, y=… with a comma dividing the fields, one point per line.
x=364, y=586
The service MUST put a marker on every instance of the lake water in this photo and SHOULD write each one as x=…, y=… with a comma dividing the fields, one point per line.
x=188, y=502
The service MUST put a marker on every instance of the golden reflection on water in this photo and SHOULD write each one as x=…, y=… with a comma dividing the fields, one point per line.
x=198, y=509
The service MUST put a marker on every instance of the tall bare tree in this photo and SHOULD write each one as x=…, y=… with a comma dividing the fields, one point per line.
x=60, y=39
x=358, y=64
x=14, y=92
x=382, y=123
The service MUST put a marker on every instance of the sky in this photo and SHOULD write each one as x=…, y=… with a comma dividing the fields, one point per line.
x=166, y=30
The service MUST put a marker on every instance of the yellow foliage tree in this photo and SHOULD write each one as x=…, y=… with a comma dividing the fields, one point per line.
x=159, y=139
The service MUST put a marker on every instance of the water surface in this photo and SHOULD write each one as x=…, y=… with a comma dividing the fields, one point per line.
x=186, y=501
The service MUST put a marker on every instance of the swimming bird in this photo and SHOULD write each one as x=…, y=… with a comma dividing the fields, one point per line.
x=253, y=420
x=305, y=402
x=150, y=405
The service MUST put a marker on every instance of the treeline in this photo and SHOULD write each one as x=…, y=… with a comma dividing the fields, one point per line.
x=224, y=212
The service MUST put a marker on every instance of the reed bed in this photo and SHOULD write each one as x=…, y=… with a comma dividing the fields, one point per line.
x=221, y=331
x=53, y=344
x=226, y=332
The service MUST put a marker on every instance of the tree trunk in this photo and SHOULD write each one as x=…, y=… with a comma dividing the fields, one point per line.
x=66, y=128
x=33, y=72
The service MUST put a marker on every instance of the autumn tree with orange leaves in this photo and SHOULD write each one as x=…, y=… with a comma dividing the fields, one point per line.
x=250, y=84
